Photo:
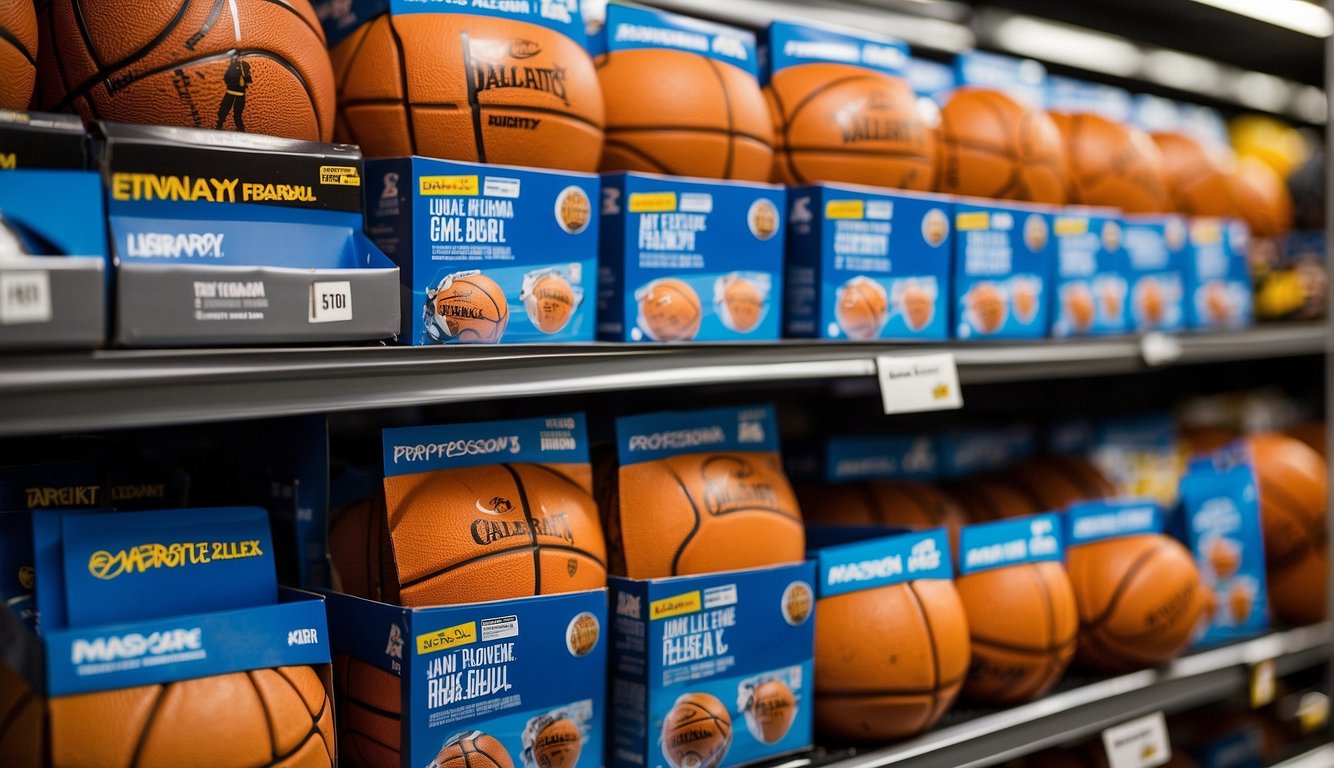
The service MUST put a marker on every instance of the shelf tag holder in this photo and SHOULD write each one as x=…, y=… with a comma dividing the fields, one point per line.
x=331, y=301
x=25, y=297
x=917, y=383
x=1264, y=683
x=1139, y=743
x=1159, y=349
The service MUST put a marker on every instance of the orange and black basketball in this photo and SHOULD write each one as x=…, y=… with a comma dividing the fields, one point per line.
x=22, y=721
x=255, y=66
x=472, y=308
x=278, y=716
x=494, y=532
x=549, y=302
x=370, y=705
x=740, y=304
x=770, y=709
x=1112, y=164
x=1198, y=180
x=1312, y=433
x=683, y=114
x=18, y=53
x=558, y=744
x=1262, y=198
x=1294, y=491
x=360, y=551
x=474, y=88
x=861, y=308
x=473, y=749
x=838, y=122
x=985, y=498
x=697, y=732
x=881, y=502
x=917, y=305
x=993, y=146
x=1054, y=482
x=669, y=310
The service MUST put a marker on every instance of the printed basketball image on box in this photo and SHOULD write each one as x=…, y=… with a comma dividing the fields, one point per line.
x=1157, y=250
x=1004, y=262
x=843, y=282
x=689, y=260
x=487, y=254
x=769, y=705
x=1218, y=276
x=1090, y=275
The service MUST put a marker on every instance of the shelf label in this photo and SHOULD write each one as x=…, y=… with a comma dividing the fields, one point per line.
x=25, y=297
x=330, y=302
x=1264, y=685
x=915, y=383
x=1140, y=743
x=1158, y=348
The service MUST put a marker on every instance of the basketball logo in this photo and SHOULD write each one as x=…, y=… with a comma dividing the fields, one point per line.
x=549, y=300
x=1111, y=236
x=1035, y=233
x=986, y=307
x=763, y=219
x=557, y=745
x=581, y=637
x=669, y=310
x=466, y=307
x=861, y=308
x=797, y=602
x=697, y=732
x=769, y=707
x=474, y=749
x=738, y=302
x=935, y=227
x=573, y=210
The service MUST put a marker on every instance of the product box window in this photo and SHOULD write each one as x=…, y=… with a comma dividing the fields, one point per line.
x=1158, y=251
x=1090, y=287
x=1218, y=275
x=1004, y=259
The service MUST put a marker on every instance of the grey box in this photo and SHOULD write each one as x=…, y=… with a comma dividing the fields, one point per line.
x=74, y=309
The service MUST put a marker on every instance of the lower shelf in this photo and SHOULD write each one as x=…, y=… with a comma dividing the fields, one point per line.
x=1320, y=757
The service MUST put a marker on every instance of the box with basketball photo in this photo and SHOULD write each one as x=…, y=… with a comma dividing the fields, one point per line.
x=1089, y=285
x=690, y=259
x=1157, y=249
x=147, y=621
x=487, y=254
x=1217, y=284
x=1004, y=260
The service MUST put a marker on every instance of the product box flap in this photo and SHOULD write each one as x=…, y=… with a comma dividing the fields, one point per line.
x=654, y=436
x=1091, y=521
x=1072, y=96
x=42, y=140
x=630, y=27
x=887, y=457
x=884, y=561
x=790, y=44
x=341, y=17
x=544, y=440
x=1023, y=79
x=1033, y=539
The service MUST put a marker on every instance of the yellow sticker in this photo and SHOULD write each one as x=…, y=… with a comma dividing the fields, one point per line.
x=1206, y=231
x=1070, y=226
x=341, y=175
x=674, y=606
x=449, y=637
x=845, y=209
x=973, y=220
x=447, y=186
x=652, y=202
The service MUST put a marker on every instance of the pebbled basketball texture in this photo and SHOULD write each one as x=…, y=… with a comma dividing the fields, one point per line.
x=1112, y=164
x=18, y=53
x=360, y=551
x=473, y=749
x=370, y=702
x=473, y=309
x=993, y=146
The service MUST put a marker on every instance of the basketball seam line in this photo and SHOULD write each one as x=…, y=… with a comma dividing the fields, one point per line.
x=1076, y=474
x=315, y=717
x=1097, y=621
x=391, y=101
x=560, y=476
x=686, y=129
x=268, y=715
x=850, y=694
x=1116, y=655
x=1277, y=490
x=60, y=63
x=403, y=81
x=148, y=725
x=915, y=495
x=486, y=754
x=356, y=702
x=1025, y=649
x=800, y=105
x=463, y=750
x=1022, y=488
x=479, y=558
x=1049, y=664
x=731, y=121
x=930, y=635
x=209, y=22
x=76, y=9
x=532, y=529
x=895, y=153
x=13, y=40
x=12, y=715
x=351, y=60
x=319, y=34
x=676, y=558
x=641, y=154
x=478, y=145
x=104, y=72
x=349, y=730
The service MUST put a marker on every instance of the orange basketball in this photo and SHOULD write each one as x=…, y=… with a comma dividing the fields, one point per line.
x=550, y=303
x=1206, y=439
x=1023, y=624
x=1079, y=307
x=474, y=88
x=1297, y=591
x=1262, y=198
x=987, y=306
x=890, y=660
x=18, y=53
x=861, y=308
x=360, y=551
x=370, y=704
x=881, y=502
x=494, y=532
x=838, y=122
x=473, y=749
x=23, y=728
x=705, y=512
x=697, y=732
x=770, y=709
x=669, y=310
x=741, y=305
x=993, y=146
x=1293, y=493
x=1198, y=183
x=986, y=498
x=1139, y=599
x=1112, y=164
x=252, y=66
x=558, y=744
x=1054, y=482
x=1312, y=433
x=683, y=114
x=278, y=717
x=917, y=307
x=472, y=308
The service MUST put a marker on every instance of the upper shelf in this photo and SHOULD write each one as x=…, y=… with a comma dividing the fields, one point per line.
x=127, y=388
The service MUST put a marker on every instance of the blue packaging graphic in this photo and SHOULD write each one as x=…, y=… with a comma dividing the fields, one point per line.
x=1004, y=256
x=1003, y=543
x=737, y=645
x=883, y=561
x=933, y=82
x=690, y=259
x=866, y=264
x=886, y=457
x=1217, y=286
x=1138, y=453
x=341, y=17
x=1087, y=522
x=789, y=45
x=1090, y=290
x=1072, y=96
x=971, y=451
x=1158, y=251
x=629, y=27
x=487, y=253
x=1023, y=79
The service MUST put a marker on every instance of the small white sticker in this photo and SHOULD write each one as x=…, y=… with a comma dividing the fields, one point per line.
x=25, y=297
x=331, y=302
x=499, y=627
x=1140, y=743
x=879, y=210
x=717, y=597
x=499, y=186
x=1158, y=348
x=912, y=384
x=696, y=202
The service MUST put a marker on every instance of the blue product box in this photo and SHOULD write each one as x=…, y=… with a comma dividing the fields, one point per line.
x=341, y=17
x=1004, y=259
x=1072, y=96
x=1023, y=79
x=789, y=45
x=737, y=646
x=867, y=264
x=1158, y=250
x=53, y=245
x=1003, y=543
x=1217, y=284
x=973, y=451
x=1090, y=288
x=1087, y=522
x=885, y=457
x=690, y=259
x=523, y=676
x=487, y=253
x=1139, y=454
x=933, y=82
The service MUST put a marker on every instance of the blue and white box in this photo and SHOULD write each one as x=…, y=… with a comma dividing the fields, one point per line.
x=1004, y=260
x=1090, y=285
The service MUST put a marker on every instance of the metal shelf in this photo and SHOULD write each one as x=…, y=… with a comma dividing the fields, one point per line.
x=1320, y=757
x=129, y=388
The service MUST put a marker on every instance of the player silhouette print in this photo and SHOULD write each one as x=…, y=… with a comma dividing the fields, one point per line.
x=237, y=79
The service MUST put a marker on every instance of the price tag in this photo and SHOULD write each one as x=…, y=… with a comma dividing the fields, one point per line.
x=25, y=297
x=1140, y=743
x=911, y=384
x=1264, y=683
x=1158, y=348
x=330, y=302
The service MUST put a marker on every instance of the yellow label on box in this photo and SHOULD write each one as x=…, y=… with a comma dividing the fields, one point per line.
x=973, y=220
x=449, y=637
x=845, y=209
x=1070, y=226
x=342, y=175
x=1205, y=232
x=652, y=202
x=447, y=186
x=674, y=606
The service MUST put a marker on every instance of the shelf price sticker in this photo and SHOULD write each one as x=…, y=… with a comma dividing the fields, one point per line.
x=916, y=383
x=1140, y=743
x=25, y=297
x=1158, y=348
x=331, y=302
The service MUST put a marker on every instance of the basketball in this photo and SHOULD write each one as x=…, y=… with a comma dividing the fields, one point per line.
x=861, y=308
x=476, y=88
x=770, y=708
x=493, y=532
x=740, y=305
x=581, y=637
x=881, y=502
x=277, y=716
x=891, y=659
x=550, y=303
x=1293, y=491
x=473, y=749
x=1198, y=183
x=917, y=306
x=18, y=53
x=707, y=512
x=1139, y=599
x=669, y=310
x=683, y=114
x=986, y=498
x=1312, y=433
x=557, y=745
x=987, y=307
x=1023, y=625
x=1262, y=198
x=360, y=551
x=697, y=732
x=370, y=702
x=993, y=146
x=1112, y=164
x=251, y=66
x=838, y=122
x=1054, y=482
x=22, y=721
x=1297, y=591
x=573, y=210
x=797, y=600
x=1079, y=307
x=471, y=307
